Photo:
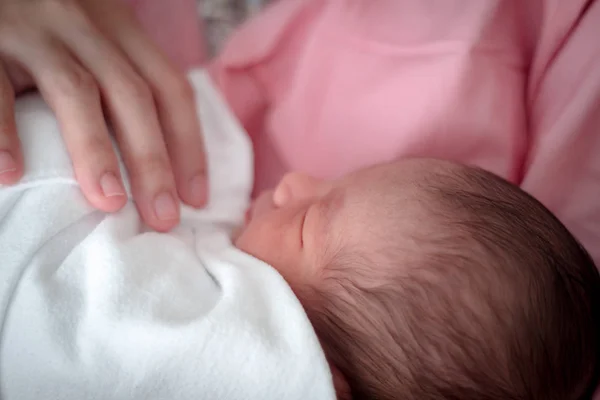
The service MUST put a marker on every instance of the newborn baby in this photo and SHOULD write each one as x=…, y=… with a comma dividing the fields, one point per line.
x=414, y=280
x=428, y=280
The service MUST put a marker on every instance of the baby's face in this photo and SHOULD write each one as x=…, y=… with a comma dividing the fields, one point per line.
x=300, y=225
x=289, y=227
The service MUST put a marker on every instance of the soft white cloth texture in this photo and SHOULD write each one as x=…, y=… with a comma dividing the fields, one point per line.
x=96, y=306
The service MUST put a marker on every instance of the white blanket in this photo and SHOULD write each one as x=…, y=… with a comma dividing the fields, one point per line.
x=95, y=306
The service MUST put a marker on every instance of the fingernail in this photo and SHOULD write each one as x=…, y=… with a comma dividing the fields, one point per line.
x=199, y=188
x=111, y=185
x=7, y=162
x=165, y=207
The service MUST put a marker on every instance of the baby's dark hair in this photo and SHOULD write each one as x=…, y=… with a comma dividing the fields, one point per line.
x=494, y=300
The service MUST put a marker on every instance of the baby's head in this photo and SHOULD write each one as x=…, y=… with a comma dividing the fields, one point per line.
x=429, y=280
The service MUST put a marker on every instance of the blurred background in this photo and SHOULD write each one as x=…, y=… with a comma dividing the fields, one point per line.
x=222, y=16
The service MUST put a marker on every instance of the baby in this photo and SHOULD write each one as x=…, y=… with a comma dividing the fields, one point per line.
x=400, y=281
x=429, y=280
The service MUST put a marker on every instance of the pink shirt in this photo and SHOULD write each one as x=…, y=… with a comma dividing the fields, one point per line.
x=329, y=86
x=326, y=87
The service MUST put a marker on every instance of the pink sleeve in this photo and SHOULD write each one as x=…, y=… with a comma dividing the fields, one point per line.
x=175, y=25
x=563, y=168
x=242, y=91
x=250, y=62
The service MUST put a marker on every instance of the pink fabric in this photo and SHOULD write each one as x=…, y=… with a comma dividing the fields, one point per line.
x=326, y=87
x=175, y=26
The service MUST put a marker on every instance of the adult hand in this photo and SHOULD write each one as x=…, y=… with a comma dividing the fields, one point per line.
x=90, y=56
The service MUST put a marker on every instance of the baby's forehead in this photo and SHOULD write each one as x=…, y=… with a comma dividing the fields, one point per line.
x=408, y=172
x=394, y=184
x=387, y=198
x=378, y=213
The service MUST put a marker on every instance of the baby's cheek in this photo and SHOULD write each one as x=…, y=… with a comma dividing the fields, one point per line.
x=270, y=242
x=257, y=239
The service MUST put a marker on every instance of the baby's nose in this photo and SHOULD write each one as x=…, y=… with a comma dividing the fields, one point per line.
x=295, y=186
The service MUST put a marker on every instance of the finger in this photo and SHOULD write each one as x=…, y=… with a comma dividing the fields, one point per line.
x=176, y=106
x=131, y=106
x=74, y=96
x=20, y=80
x=11, y=166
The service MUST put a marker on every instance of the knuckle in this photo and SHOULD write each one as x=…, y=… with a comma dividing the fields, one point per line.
x=135, y=87
x=68, y=11
x=152, y=166
x=62, y=6
x=178, y=86
x=95, y=144
x=93, y=150
x=133, y=83
x=14, y=31
x=74, y=80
